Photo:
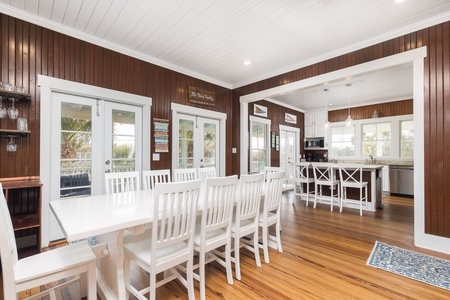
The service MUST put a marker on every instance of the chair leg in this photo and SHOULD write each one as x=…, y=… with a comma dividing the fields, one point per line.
x=237, y=262
x=332, y=197
x=266, y=244
x=202, y=257
x=228, y=262
x=152, y=285
x=278, y=230
x=307, y=193
x=360, y=201
x=315, y=195
x=256, y=249
x=190, y=278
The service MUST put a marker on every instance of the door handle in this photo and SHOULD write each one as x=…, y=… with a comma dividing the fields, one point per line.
x=107, y=162
x=107, y=171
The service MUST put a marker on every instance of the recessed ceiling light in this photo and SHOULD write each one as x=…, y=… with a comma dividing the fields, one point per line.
x=246, y=62
x=399, y=1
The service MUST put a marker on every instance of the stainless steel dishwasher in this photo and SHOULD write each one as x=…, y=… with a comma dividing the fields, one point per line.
x=401, y=179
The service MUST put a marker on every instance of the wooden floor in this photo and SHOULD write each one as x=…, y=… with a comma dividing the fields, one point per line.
x=324, y=257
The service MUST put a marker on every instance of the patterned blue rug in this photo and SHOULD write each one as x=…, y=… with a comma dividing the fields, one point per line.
x=421, y=267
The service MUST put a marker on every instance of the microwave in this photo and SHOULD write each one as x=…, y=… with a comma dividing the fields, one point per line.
x=314, y=144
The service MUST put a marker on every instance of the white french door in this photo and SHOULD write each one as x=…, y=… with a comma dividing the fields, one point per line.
x=289, y=148
x=198, y=142
x=90, y=137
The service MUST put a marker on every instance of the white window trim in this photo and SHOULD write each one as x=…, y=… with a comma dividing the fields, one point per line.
x=47, y=86
x=268, y=123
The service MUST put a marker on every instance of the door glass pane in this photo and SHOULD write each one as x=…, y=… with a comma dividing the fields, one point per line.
x=76, y=150
x=123, y=139
x=186, y=144
x=209, y=145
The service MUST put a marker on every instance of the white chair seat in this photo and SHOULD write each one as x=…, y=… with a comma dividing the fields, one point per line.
x=355, y=184
x=245, y=224
x=301, y=178
x=271, y=217
x=58, y=260
x=210, y=236
x=140, y=250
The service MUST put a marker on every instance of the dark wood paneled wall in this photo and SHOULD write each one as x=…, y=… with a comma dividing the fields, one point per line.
x=389, y=109
x=276, y=114
x=28, y=50
x=436, y=109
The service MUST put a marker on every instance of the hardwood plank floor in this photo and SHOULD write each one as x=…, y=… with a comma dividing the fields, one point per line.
x=324, y=257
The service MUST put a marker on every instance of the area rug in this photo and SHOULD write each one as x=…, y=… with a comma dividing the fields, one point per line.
x=421, y=267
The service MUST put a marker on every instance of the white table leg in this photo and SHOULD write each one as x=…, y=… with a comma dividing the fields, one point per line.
x=110, y=274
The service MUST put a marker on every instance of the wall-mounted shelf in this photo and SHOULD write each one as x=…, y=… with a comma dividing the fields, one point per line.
x=13, y=133
x=15, y=95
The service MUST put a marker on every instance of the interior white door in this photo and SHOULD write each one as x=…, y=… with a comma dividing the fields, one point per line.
x=198, y=142
x=86, y=134
x=289, y=148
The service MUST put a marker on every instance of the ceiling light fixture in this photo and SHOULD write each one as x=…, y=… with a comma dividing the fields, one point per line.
x=327, y=123
x=349, y=120
x=399, y=1
x=246, y=62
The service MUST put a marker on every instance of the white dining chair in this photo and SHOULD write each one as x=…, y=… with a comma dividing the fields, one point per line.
x=47, y=267
x=268, y=170
x=152, y=177
x=188, y=174
x=245, y=220
x=351, y=176
x=214, y=229
x=206, y=172
x=325, y=175
x=170, y=243
x=120, y=182
x=302, y=180
x=269, y=214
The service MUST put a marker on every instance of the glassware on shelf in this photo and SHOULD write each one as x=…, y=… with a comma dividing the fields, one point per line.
x=11, y=146
x=2, y=109
x=20, y=89
x=22, y=124
x=13, y=113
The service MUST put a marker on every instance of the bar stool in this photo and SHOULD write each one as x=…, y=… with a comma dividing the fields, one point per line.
x=301, y=177
x=351, y=177
x=324, y=175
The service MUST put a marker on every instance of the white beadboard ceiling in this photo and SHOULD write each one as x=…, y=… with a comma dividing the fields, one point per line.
x=210, y=39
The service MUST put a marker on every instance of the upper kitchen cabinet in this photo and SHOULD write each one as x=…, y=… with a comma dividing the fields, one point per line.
x=314, y=123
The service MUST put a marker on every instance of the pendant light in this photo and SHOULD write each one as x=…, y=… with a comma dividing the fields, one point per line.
x=349, y=120
x=327, y=123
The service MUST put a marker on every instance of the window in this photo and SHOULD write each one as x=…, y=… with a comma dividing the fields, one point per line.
x=407, y=139
x=376, y=139
x=343, y=141
x=259, y=144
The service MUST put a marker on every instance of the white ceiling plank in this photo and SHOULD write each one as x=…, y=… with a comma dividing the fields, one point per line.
x=85, y=14
x=126, y=14
x=59, y=11
x=98, y=15
x=45, y=8
x=110, y=18
x=31, y=6
x=72, y=13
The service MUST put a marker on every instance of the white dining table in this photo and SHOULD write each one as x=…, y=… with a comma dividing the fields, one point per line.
x=106, y=217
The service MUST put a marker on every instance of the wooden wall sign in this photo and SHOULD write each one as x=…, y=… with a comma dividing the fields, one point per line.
x=201, y=96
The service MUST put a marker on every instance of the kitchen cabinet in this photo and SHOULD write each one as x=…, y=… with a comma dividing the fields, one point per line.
x=314, y=123
x=24, y=198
